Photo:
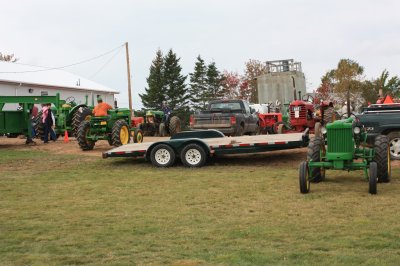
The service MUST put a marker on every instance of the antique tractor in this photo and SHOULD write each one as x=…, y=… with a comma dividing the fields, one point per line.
x=155, y=124
x=346, y=149
x=116, y=128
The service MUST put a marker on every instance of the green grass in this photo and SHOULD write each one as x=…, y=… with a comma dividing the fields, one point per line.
x=69, y=209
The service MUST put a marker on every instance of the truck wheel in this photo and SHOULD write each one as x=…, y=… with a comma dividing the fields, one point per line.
x=138, y=137
x=303, y=178
x=314, y=154
x=174, y=125
x=382, y=158
x=373, y=169
x=394, y=143
x=83, y=113
x=239, y=131
x=120, y=134
x=83, y=132
x=193, y=155
x=162, y=155
x=161, y=130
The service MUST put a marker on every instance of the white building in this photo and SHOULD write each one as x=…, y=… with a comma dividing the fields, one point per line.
x=23, y=80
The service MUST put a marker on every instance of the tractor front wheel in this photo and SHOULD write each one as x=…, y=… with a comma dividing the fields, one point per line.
x=373, y=173
x=138, y=137
x=83, y=132
x=193, y=155
x=162, y=155
x=120, y=134
x=303, y=178
x=315, y=147
x=83, y=113
x=382, y=158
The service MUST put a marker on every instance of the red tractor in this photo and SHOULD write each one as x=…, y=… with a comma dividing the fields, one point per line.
x=303, y=114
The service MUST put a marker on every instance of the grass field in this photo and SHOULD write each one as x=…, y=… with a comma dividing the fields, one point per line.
x=69, y=209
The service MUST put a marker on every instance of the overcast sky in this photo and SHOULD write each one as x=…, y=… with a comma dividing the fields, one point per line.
x=229, y=32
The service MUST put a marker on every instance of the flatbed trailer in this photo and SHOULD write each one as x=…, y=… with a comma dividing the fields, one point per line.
x=195, y=147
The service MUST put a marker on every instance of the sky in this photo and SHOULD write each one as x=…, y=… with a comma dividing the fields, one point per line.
x=229, y=32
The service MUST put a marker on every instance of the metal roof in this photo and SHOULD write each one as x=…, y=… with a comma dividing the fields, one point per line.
x=33, y=75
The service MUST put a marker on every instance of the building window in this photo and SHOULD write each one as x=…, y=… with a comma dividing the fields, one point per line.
x=44, y=93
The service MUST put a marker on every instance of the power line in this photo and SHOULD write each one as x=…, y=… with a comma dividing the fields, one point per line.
x=108, y=61
x=53, y=68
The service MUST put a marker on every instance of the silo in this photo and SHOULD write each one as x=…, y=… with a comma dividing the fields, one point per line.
x=279, y=81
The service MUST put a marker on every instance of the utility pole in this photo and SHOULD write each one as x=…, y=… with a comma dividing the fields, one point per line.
x=129, y=77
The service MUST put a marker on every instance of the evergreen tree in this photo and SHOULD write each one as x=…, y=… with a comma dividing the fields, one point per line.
x=214, y=82
x=198, y=85
x=154, y=95
x=174, y=82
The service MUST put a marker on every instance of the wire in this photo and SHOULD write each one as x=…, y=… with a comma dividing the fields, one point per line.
x=106, y=63
x=53, y=68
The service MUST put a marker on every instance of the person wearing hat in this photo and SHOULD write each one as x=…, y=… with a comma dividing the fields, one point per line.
x=101, y=108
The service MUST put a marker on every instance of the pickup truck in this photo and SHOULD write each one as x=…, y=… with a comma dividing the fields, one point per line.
x=383, y=119
x=231, y=117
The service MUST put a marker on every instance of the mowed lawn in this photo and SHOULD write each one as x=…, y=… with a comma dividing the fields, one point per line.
x=77, y=209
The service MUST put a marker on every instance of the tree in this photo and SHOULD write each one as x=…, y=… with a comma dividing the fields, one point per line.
x=199, y=95
x=253, y=69
x=231, y=83
x=155, y=92
x=214, y=82
x=174, y=81
x=388, y=86
x=8, y=58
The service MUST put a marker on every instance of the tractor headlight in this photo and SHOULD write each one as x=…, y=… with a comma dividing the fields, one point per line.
x=356, y=130
x=323, y=130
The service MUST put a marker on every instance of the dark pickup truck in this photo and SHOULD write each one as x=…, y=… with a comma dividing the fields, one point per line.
x=231, y=117
x=383, y=119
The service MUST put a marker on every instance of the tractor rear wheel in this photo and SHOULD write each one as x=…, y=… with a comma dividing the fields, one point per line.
x=314, y=154
x=38, y=126
x=83, y=113
x=162, y=155
x=282, y=129
x=83, y=131
x=193, y=155
x=138, y=137
x=120, y=134
x=373, y=172
x=276, y=126
x=317, y=129
x=303, y=178
x=382, y=158
x=174, y=125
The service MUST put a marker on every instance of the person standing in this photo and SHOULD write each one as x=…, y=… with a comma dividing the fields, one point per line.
x=47, y=122
x=101, y=108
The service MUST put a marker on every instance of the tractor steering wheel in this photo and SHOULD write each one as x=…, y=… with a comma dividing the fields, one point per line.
x=70, y=99
x=307, y=98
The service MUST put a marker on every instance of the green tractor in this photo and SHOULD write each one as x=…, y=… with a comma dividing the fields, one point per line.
x=346, y=149
x=68, y=116
x=155, y=124
x=116, y=128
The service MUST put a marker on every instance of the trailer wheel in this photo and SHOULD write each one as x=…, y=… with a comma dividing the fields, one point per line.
x=303, y=178
x=83, y=113
x=315, y=147
x=193, y=155
x=120, y=134
x=83, y=131
x=382, y=158
x=162, y=155
x=174, y=125
x=373, y=171
x=394, y=143
x=138, y=137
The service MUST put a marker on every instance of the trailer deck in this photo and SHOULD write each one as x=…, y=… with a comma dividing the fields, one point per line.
x=211, y=146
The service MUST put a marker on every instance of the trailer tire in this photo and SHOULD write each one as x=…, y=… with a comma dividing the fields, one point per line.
x=81, y=114
x=314, y=154
x=193, y=155
x=394, y=143
x=373, y=172
x=162, y=155
x=174, y=125
x=138, y=137
x=120, y=134
x=303, y=178
x=83, y=130
x=382, y=158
